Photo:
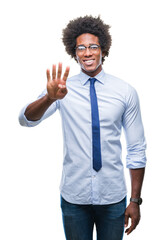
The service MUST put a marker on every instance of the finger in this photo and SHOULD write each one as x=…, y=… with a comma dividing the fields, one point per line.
x=131, y=228
x=59, y=70
x=66, y=73
x=48, y=75
x=54, y=72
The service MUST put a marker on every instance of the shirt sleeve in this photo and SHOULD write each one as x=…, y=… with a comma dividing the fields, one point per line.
x=26, y=123
x=134, y=131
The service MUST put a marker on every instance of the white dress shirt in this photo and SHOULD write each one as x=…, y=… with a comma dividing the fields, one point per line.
x=118, y=105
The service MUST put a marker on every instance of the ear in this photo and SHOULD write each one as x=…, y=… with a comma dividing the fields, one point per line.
x=103, y=54
x=75, y=58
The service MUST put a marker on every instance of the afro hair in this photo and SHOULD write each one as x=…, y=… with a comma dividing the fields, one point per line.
x=87, y=24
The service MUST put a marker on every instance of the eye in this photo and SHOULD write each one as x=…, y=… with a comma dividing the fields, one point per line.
x=81, y=48
x=94, y=46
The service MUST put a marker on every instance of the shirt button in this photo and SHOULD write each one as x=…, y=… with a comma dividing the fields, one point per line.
x=94, y=176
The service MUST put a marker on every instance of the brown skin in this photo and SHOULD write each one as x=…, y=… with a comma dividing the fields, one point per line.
x=93, y=68
x=56, y=89
x=133, y=209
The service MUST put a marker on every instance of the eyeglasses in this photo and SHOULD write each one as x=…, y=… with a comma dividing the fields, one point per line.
x=92, y=48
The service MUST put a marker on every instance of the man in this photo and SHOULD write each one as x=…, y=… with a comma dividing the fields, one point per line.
x=94, y=107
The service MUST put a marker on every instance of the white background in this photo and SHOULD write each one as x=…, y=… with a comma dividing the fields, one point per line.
x=31, y=158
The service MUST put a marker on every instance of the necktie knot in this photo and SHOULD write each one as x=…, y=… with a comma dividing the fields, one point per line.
x=92, y=80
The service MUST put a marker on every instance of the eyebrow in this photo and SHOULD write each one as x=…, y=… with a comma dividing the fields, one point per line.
x=89, y=44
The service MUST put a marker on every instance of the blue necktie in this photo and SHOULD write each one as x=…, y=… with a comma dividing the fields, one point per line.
x=95, y=127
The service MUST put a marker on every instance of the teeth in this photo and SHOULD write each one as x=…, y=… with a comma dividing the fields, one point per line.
x=88, y=61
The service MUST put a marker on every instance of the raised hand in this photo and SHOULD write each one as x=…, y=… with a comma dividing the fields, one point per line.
x=56, y=86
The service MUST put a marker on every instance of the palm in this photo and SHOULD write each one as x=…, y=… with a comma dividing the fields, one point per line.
x=56, y=87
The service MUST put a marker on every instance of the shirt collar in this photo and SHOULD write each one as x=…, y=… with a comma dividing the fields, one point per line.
x=84, y=77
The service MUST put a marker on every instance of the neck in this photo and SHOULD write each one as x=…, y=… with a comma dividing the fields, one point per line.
x=94, y=73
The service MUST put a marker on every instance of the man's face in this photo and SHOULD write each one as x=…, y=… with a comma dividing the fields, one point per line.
x=89, y=59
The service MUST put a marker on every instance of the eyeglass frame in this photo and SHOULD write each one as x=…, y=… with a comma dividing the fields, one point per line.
x=89, y=47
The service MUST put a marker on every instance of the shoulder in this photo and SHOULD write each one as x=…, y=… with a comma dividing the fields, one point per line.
x=118, y=83
x=121, y=87
x=73, y=78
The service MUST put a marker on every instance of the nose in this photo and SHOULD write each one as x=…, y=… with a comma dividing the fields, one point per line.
x=87, y=52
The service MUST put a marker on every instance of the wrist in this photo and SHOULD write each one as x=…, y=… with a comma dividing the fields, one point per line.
x=50, y=100
x=137, y=201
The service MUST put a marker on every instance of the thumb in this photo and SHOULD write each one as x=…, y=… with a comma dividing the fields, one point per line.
x=62, y=88
x=126, y=220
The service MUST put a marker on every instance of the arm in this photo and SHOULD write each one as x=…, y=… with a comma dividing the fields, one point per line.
x=137, y=176
x=56, y=89
x=136, y=159
x=133, y=209
x=36, y=110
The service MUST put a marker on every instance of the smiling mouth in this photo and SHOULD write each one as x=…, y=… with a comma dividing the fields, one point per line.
x=88, y=62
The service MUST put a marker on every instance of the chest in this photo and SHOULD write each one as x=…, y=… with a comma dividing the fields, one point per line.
x=77, y=105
